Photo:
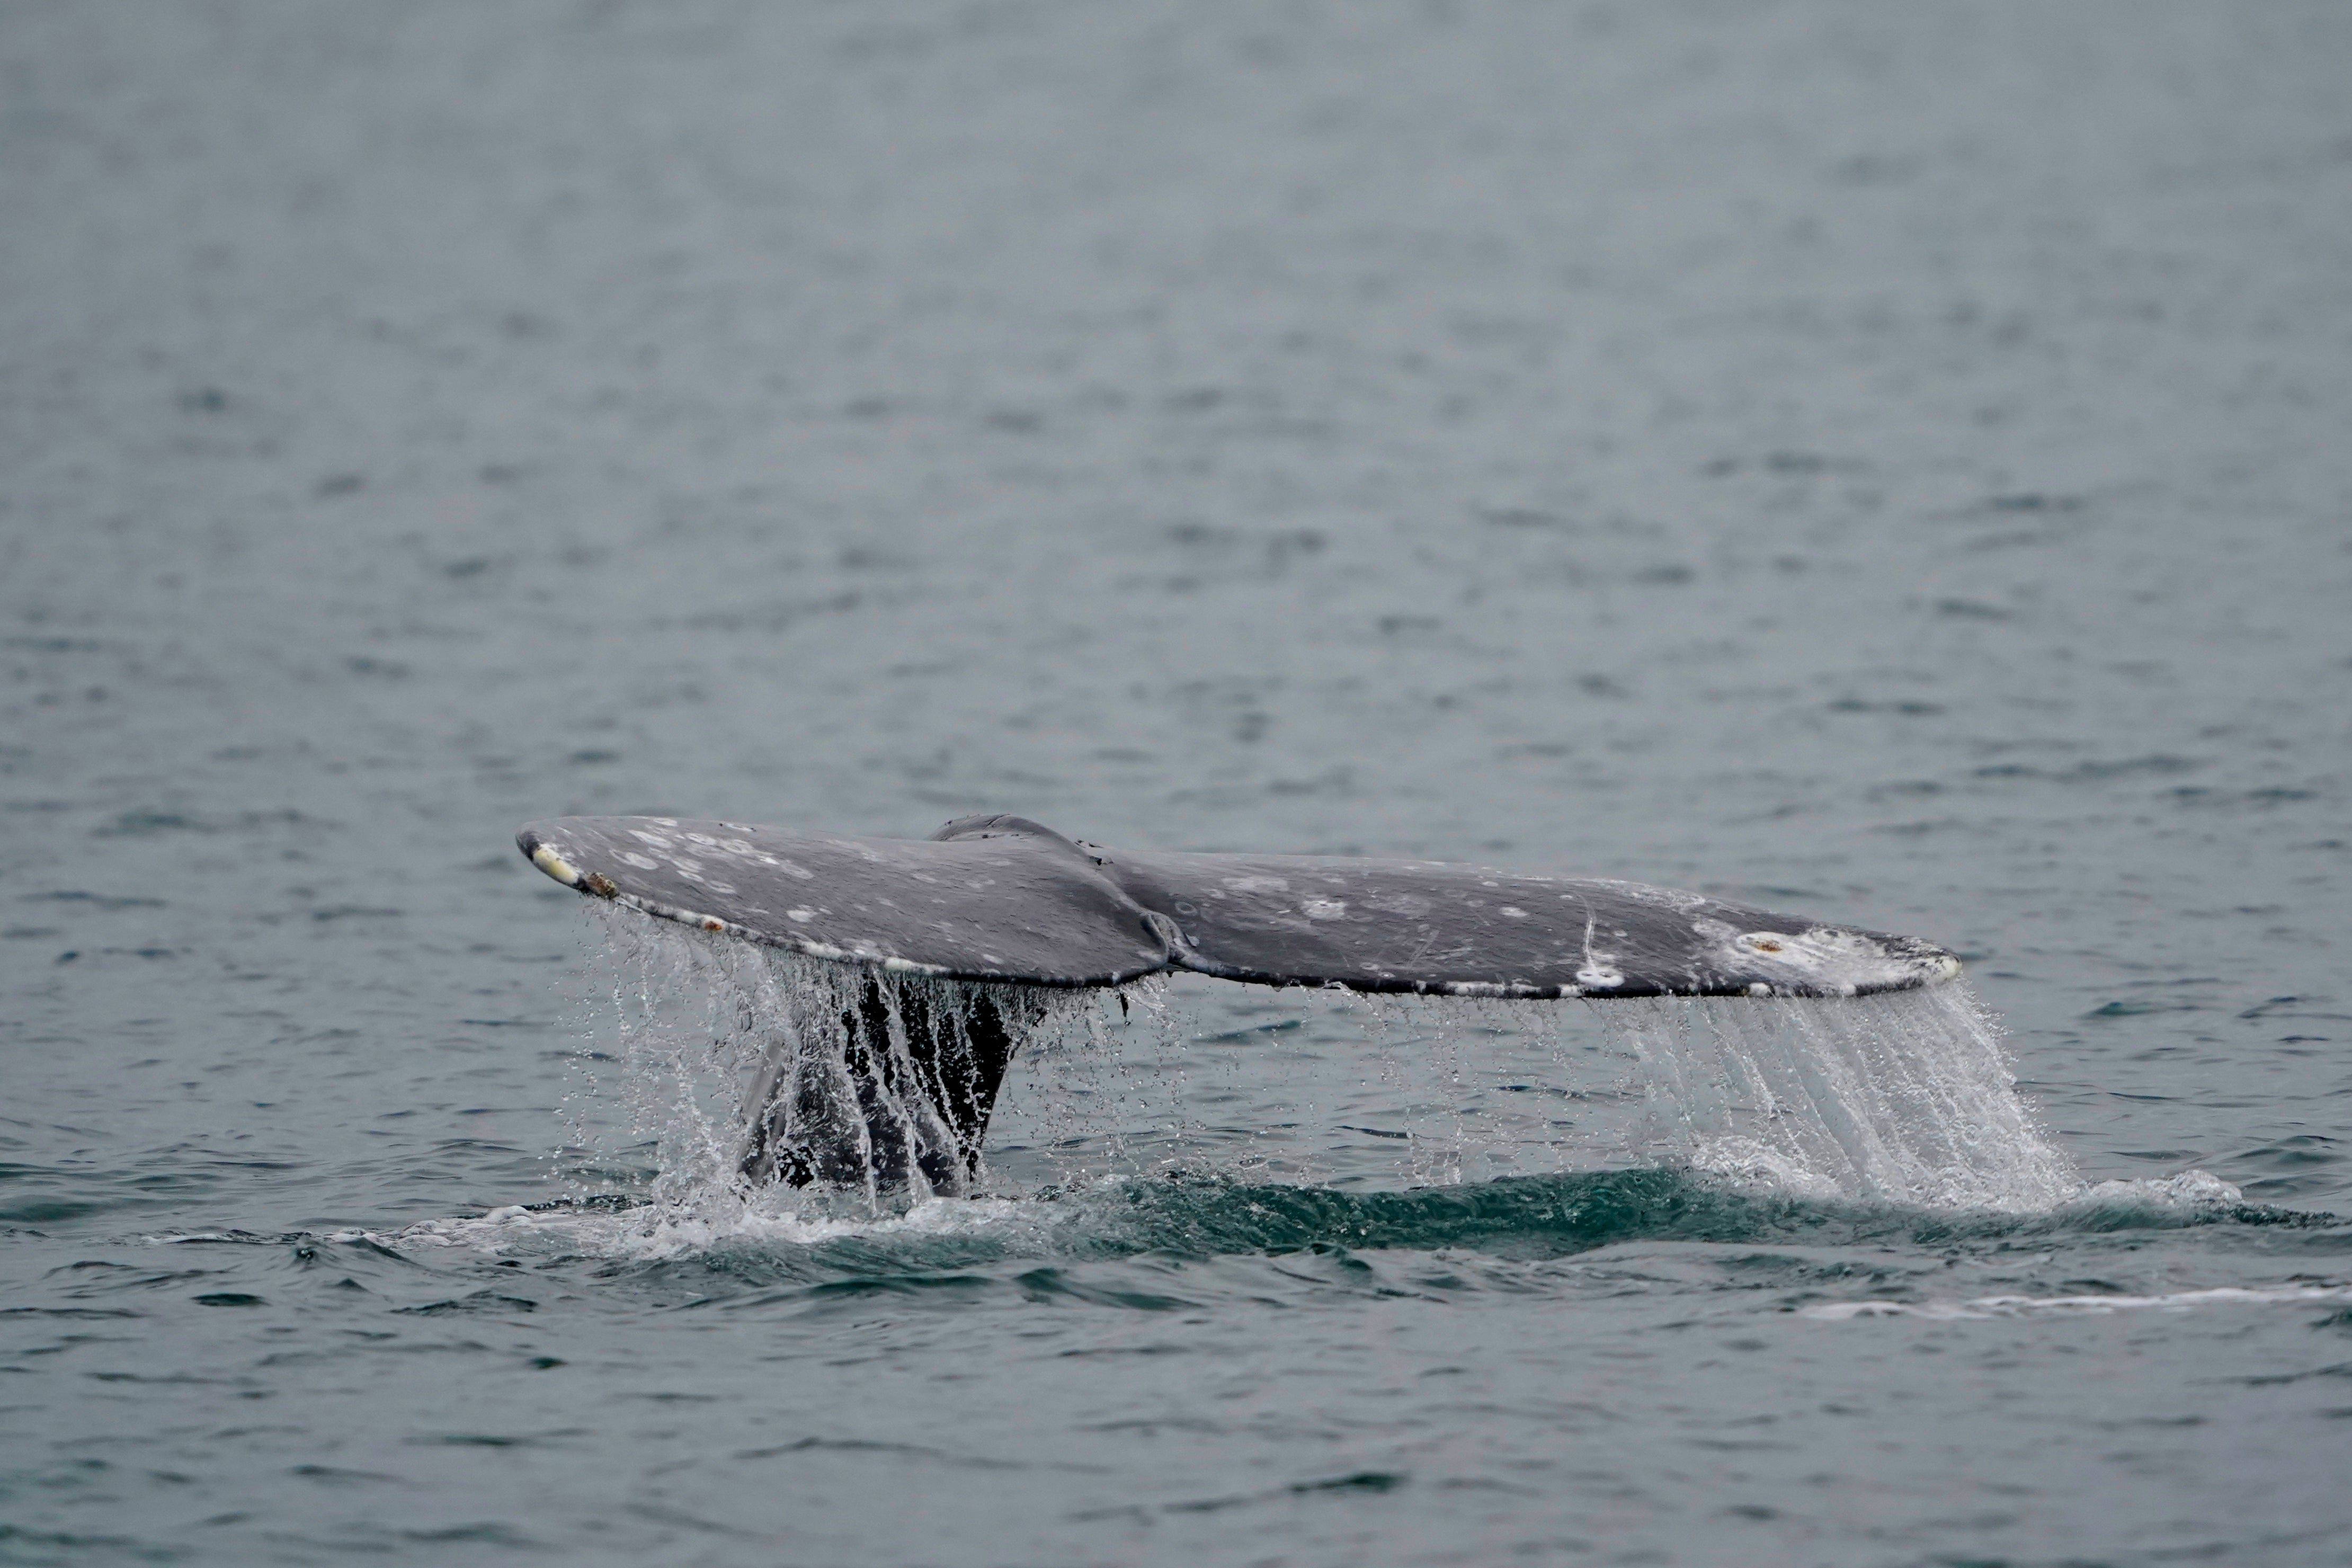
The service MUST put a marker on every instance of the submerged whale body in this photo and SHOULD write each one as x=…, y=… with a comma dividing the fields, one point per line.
x=942, y=944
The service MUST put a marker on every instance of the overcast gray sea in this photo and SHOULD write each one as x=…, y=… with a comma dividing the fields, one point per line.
x=1884, y=462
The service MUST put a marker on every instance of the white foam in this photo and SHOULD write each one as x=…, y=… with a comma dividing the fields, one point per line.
x=654, y=1231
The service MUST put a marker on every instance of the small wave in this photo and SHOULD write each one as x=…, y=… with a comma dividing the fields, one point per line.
x=2188, y=1189
x=2080, y=1306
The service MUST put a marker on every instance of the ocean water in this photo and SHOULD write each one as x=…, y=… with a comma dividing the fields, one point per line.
x=1886, y=463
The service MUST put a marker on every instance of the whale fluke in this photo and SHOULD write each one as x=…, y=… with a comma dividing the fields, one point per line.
x=1002, y=903
x=1002, y=898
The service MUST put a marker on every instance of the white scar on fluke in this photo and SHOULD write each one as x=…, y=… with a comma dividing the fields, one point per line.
x=1010, y=910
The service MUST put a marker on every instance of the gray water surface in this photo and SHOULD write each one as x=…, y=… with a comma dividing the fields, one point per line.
x=1887, y=463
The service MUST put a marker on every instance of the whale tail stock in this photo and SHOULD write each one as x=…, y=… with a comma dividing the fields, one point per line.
x=938, y=941
x=909, y=1091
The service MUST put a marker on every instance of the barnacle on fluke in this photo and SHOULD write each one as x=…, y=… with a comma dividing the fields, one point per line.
x=1000, y=901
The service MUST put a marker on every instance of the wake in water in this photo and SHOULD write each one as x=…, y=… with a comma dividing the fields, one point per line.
x=1900, y=1099
x=1523, y=1218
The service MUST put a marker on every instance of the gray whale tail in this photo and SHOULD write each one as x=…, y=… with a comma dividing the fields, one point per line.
x=1004, y=906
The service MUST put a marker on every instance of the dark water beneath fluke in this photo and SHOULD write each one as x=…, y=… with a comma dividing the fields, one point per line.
x=1881, y=463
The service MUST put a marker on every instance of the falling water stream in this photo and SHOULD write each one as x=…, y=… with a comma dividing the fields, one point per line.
x=1903, y=1099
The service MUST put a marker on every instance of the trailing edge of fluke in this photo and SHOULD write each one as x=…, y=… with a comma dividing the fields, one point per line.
x=1002, y=898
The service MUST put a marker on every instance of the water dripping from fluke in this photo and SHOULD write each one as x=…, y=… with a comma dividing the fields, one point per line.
x=834, y=1036
x=1907, y=1097
x=752, y=1071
